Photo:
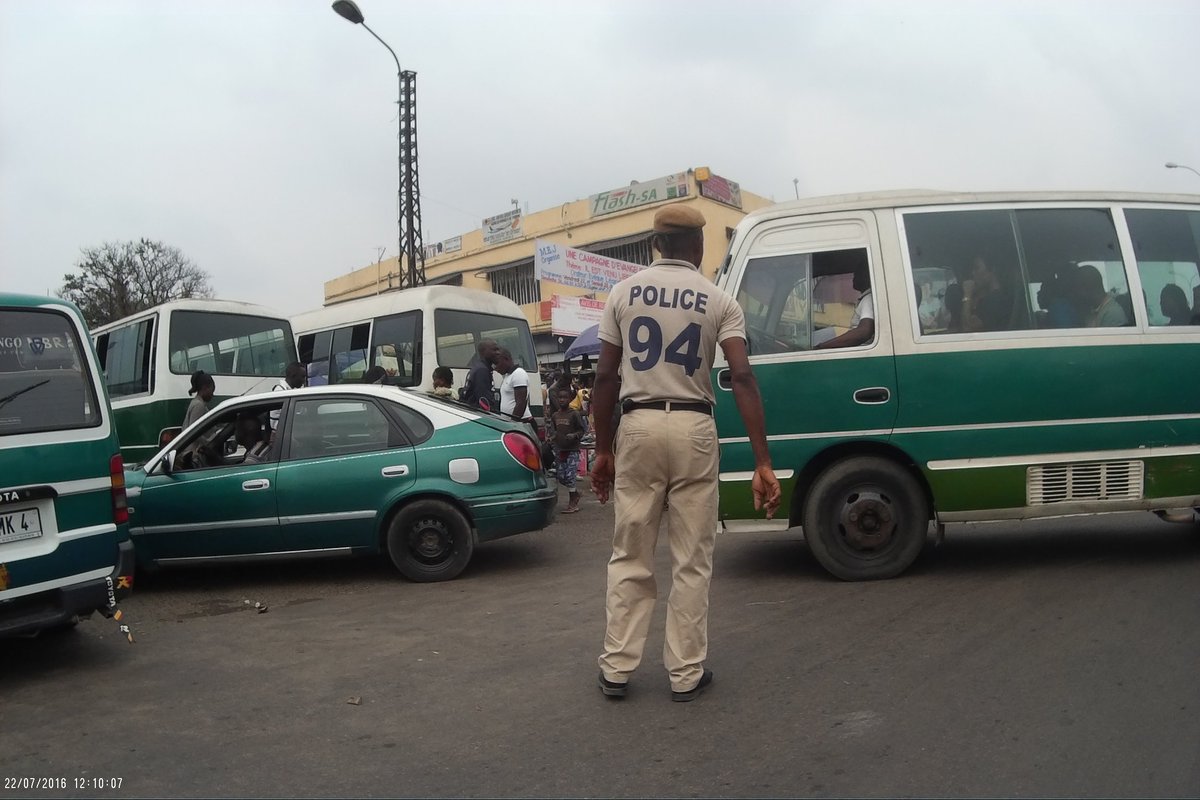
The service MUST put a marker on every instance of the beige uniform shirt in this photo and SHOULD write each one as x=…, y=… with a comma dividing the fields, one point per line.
x=668, y=320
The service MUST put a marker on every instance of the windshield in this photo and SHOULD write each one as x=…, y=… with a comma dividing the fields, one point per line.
x=45, y=382
x=230, y=344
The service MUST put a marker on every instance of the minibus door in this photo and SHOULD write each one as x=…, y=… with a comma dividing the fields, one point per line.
x=796, y=283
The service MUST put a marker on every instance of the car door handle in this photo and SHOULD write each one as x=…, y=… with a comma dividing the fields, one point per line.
x=254, y=486
x=394, y=472
x=872, y=396
x=725, y=379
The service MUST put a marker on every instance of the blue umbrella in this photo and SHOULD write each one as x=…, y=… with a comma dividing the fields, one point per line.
x=587, y=343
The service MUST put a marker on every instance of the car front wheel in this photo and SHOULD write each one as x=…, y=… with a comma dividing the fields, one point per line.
x=430, y=540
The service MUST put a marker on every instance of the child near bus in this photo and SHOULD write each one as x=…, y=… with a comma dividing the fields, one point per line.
x=568, y=432
x=443, y=383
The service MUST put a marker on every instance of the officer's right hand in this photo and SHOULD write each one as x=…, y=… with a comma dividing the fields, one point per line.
x=767, y=493
x=602, y=476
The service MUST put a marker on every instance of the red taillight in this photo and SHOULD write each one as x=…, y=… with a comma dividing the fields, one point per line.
x=522, y=448
x=116, y=474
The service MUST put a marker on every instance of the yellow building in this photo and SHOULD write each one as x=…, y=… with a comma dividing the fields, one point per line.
x=499, y=256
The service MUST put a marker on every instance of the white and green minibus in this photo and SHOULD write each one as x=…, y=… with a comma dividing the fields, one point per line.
x=1033, y=355
x=65, y=550
x=411, y=332
x=148, y=360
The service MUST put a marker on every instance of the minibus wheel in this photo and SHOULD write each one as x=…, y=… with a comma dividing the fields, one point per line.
x=865, y=519
x=430, y=540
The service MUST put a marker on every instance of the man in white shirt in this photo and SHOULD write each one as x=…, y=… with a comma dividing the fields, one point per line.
x=514, y=390
x=862, y=324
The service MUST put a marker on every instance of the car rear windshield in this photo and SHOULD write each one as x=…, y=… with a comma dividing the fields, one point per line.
x=460, y=332
x=45, y=381
x=230, y=344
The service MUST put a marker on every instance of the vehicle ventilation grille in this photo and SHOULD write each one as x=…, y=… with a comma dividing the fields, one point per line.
x=1062, y=483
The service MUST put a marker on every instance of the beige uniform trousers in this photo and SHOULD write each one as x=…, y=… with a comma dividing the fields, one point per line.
x=660, y=456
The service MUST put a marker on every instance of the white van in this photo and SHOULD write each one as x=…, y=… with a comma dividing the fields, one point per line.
x=411, y=332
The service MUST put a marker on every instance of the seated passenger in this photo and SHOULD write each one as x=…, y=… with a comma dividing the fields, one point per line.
x=991, y=300
x=862, y=324
x=1098, y=308
x=249, y=434
x=1054, y=300
x=1174, y=305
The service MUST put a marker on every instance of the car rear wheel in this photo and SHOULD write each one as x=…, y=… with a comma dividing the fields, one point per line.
x=430, y=540
x=865, y=519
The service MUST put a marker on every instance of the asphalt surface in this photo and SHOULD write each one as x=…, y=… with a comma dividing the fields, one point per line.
x=1056, y=658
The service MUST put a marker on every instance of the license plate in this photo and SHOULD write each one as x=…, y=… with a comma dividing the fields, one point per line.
x=25, y=523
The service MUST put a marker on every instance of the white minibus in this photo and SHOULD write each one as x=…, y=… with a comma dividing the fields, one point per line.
x=411, y=332
x=1029, y=355
x=148, y=359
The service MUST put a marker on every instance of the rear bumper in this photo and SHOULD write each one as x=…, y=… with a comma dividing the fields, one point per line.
x=497, y=517
x=32, y=613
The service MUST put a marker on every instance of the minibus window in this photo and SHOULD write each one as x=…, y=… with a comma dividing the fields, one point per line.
x=126, y=360
x=395, y=346
x=45, y=382
x=229, y=344
x=800, y=301
x=348, y=356
x=1019, y=269
x=1166, y=244
x=459, y=333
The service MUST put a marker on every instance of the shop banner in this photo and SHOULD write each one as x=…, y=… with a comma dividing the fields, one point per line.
x=722, y=190
x=502, y=227
x=580, y=269
x=451, y=245
x=671, y=187
x=571, y=315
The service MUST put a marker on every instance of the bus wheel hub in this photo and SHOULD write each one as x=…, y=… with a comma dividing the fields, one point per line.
x=867, y=521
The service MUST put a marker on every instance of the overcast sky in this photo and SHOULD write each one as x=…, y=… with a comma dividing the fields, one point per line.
x=260, y=137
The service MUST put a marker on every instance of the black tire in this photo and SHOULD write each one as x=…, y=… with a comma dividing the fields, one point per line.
x=430, y=540
x=866, y=518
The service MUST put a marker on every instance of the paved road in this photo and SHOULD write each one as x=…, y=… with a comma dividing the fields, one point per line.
x=1057, y=658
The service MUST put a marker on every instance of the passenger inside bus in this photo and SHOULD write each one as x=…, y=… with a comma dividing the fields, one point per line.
x=1098, y=308
x=862, y=324
x=1174, y=305
x=991, y=299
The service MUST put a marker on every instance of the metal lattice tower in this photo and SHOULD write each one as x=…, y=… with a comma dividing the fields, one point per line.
x=412, y=272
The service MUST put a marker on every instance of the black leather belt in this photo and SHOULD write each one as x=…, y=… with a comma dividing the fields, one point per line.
x=666, y=405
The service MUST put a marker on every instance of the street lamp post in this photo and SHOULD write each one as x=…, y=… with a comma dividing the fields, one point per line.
x=1173, y=165
x=348, y=10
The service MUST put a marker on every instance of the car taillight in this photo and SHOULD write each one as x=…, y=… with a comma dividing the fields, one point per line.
x=522, y=448
x=116, y=474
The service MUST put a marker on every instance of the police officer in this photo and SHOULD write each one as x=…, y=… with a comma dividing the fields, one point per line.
x=661, y=327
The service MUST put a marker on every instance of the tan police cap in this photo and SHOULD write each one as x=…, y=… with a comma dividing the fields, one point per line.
x=677, y=218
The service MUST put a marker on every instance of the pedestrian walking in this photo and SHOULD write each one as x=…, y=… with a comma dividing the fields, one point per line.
x=661, y=327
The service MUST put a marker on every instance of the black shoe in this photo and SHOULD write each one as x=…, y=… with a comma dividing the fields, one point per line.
x=694, y=692
x=611, y=688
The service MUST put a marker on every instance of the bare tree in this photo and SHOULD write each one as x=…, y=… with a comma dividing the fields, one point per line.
x=121, y=278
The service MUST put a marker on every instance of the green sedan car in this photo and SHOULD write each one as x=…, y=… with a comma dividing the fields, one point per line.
x=367, y=469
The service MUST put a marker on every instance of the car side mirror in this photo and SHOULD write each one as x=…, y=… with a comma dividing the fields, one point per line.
x=168, y=462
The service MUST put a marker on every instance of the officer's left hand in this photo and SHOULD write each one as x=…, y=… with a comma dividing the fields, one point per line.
x=602, y=476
